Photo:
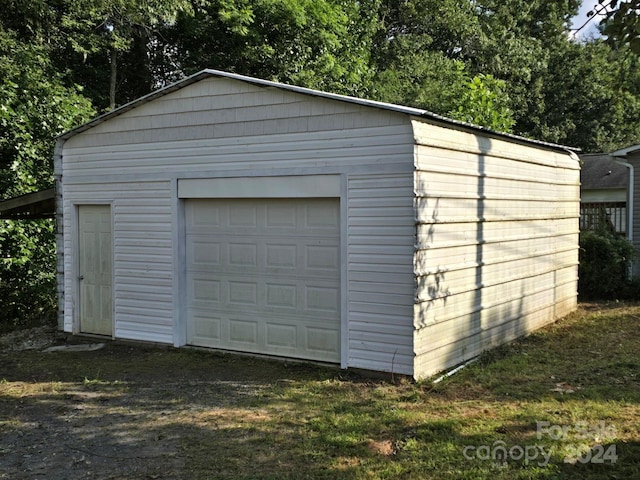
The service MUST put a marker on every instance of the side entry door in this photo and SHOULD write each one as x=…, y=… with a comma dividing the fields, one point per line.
x=95, y=259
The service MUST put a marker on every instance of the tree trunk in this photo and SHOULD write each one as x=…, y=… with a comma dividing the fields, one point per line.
x=113, y=58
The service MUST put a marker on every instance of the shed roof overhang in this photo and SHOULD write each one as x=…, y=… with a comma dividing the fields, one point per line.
x=30, y=206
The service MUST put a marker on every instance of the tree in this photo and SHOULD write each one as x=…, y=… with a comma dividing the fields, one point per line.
x=484, y=102
x=35, y=106
x=323, y=44
x=420, y=57
x=518, y=38
x=621, y=22
x=590, y=98
x=108, y=34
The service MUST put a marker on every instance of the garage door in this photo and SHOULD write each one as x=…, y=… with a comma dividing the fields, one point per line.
x=263, y=276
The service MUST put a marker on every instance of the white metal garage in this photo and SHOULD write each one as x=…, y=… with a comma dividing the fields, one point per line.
x=252, y=216
x=263, y=275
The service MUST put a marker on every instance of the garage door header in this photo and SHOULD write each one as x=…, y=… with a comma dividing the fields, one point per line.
x=308, y=186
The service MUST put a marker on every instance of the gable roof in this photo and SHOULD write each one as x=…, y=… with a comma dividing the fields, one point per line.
x=601, y=171
x=208, y=73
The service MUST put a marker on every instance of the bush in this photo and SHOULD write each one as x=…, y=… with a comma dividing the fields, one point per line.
x=605, y=262
x=27, y=273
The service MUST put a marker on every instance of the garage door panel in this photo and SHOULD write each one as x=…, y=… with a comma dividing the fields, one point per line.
x=322, y=340
x=243, y=332
x=322, y=257
x=282, y=336
x=304, y=257
x=206, y=326
x=204, y=253
x=281, y=215
x=205, y=290
x=281, y=256
x=322, y=216
x=264, y=276
x=320, y=298
x=281, y=296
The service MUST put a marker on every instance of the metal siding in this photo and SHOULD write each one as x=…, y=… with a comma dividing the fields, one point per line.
x=224, y=128
x=142, y=256
x=497, y=243
x=375, y=145
x=381, y=236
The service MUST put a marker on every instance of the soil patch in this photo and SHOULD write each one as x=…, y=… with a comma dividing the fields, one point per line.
x=121, y=412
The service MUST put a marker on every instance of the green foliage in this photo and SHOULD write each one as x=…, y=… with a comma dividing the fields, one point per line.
x=35, y=106
x=590, y=98
x=484, y=103
x=110, y=42
x=27, y=272
x=605, y=260
x=321, y=44
x=622, y=22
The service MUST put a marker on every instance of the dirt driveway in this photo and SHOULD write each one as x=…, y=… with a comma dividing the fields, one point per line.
x=126, y=412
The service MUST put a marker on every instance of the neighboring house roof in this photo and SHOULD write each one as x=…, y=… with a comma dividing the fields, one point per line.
x=307, y=91
x=600, y=171
x=626, y=151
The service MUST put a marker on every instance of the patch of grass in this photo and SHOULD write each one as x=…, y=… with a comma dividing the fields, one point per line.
x=563, y=403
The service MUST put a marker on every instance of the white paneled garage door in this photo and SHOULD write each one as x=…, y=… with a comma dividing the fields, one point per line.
x=263, y=276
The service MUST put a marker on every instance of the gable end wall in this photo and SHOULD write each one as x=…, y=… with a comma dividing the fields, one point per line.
x=218, y=128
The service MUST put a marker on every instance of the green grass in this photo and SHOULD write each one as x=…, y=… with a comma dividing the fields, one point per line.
x=570, y=391
x=580, y=376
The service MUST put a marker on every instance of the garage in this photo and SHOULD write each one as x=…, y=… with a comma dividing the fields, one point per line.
x=250, y=216
x=263, y=276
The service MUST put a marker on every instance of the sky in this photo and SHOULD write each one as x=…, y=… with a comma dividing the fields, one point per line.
x=591, y=29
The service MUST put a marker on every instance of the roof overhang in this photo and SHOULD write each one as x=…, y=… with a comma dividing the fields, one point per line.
x=30, y=206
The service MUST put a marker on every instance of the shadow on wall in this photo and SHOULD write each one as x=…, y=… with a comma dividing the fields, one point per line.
x=492, y=305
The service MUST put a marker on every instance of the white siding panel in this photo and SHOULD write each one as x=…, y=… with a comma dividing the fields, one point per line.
x=470, y=345
x=496, y=253
x=478, y=148
x=263, y=113
x=343, y=152
x=381, y=237
x=222, y=128
x=443, y=307
x=441, y=235
x=440, y=160
x=142, y=252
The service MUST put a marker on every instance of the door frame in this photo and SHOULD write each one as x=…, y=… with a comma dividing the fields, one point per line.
x=77, y=297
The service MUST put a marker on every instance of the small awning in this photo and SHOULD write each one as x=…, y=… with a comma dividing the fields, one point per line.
x=34, y=205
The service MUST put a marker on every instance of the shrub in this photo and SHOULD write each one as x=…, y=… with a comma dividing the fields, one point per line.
x=27, y=273
x=605, y=260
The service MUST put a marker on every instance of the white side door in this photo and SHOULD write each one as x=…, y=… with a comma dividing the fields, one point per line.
x=95, y=262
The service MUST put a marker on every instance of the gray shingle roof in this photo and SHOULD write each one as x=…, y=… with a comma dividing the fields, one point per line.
x=600, y=171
